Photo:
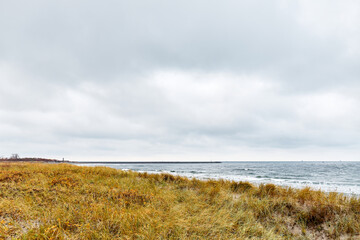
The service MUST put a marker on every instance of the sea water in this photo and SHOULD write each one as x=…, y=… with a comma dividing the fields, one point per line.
x=339, y=176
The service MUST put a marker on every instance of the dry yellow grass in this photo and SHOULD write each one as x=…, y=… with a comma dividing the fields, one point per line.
x=62, y=201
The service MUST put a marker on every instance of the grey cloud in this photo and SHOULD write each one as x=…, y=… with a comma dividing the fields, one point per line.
x=104, y=40
x=143, y=79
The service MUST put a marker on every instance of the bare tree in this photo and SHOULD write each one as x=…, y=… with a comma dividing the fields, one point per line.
x=14, y=156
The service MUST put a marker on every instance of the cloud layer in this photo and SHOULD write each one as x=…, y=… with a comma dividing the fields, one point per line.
x=249, y=80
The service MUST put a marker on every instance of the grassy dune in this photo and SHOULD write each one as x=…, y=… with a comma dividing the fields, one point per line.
x=61, y=201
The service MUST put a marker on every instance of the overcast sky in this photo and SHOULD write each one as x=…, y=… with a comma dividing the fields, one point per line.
x=180, y=80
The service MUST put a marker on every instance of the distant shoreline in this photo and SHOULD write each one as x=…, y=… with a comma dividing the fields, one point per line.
x=44, y=160
x=152, y=162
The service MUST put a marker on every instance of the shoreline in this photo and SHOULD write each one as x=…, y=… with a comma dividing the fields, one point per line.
x=204, y=175
x=324, y=187
x=45, y=160
x=145, y=162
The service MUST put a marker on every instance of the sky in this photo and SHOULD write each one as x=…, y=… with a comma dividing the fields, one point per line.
x=180, y=80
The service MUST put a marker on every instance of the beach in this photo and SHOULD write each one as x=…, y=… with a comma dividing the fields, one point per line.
x=64, y=201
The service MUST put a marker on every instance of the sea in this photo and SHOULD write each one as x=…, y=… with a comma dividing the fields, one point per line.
x=341, y=176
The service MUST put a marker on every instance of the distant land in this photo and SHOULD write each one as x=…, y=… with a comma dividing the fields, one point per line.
x=45, y=160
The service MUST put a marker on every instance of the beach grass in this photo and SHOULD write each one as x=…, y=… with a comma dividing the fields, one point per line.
x=63, y=201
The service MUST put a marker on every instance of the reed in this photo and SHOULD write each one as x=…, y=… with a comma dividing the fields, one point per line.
x=63, y=201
